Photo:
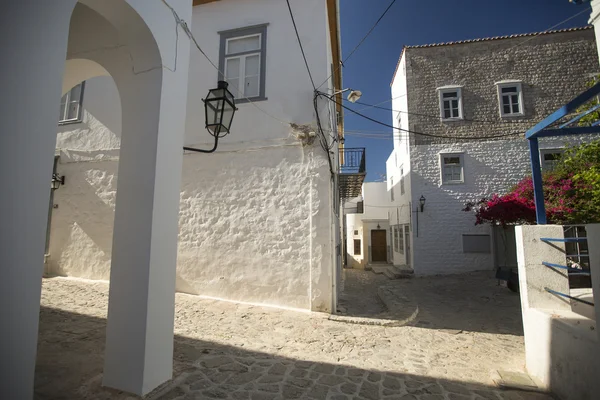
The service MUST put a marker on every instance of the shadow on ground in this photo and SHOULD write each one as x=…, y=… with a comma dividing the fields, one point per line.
x=70, y=361
x=471, y=302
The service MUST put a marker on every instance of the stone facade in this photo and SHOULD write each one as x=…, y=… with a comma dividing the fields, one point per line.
x=553, y=68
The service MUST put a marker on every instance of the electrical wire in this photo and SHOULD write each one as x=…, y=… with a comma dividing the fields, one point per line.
x=359, y=44
x=421, y=115
x=300, y=44
x=190, y=35
x=383, y=102
x=421, y=133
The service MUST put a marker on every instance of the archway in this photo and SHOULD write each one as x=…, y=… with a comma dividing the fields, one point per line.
x=129, y=40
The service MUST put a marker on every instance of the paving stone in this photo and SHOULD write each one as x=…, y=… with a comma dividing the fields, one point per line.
x=270, y=379
x=433, y=389
x=432, y=397
x=201, y=384
x=240, y=395
x=216, y=362
x=349, y=388
x=318, y=392
x=234, y=367
x=340, y=371
x=487, y=395
x=331, y=380
x=374, y=377
x=391, y=383
x=215, y=394
x=369, y=391
x=263, y=396
x=303, y=364
x=241, y=379
x=303, y=383
x=339, y=397
x=456, y=388
x=173, y=394
x=268, y=388
x=412, y=384
x=278, y=369
x=454, y=396
x=220, y=377
x=298, y=373
x=324, y=368
x=354, y=379
x=356, y=372
x=292, y=392
x=314, y=375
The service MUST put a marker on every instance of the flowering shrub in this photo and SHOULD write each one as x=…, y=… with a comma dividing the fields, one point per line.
x=571, y=193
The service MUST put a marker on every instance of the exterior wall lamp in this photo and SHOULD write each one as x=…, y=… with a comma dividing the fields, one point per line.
x=219, y=109
x=422, y=200
x=57, y=180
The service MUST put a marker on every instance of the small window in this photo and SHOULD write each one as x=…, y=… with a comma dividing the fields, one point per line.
x=70, y=106
x=356, y=232
x=242, y=60
x=400, y=239
x=357, y=247
x=510, y=97
x=392, y=188
x=452, y=168
x=402, y=180
x=451, y=103
x=550, y=158
x=476, y=244
x=396, y=233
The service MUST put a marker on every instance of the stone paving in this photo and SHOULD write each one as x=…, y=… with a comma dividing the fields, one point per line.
x=233, y=351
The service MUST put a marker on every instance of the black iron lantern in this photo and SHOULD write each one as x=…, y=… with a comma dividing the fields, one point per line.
x=219, y=107
x=57, y=180
x=422, y=202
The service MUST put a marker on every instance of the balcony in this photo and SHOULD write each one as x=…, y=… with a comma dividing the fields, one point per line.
x=352, y=172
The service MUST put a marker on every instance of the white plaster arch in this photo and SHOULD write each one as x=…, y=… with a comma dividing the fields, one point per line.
x=128, y=39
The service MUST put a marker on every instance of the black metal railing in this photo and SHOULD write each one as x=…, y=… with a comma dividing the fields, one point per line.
x=353, y=161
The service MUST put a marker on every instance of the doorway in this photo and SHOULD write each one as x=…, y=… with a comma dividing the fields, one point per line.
x=378, y=245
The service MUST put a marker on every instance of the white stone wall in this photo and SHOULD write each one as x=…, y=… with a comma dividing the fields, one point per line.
x=257, y=221
x=489, y=167
x=553, y=69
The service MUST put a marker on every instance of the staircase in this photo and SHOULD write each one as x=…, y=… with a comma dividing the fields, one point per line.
x=392, y=271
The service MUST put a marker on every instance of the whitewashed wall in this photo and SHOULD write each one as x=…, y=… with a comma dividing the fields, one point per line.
x=398, y=163
x=487, y=170
x=256, y=220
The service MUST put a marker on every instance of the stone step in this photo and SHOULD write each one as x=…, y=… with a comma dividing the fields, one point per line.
x=402, y=271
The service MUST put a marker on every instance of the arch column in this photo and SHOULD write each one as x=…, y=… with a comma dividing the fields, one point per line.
x=33, y=47
x=139, y=335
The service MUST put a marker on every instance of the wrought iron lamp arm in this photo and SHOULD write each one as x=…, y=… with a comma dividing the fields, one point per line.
x=204, y=151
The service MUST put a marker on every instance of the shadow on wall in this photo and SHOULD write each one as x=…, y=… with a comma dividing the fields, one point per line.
x=70, y=362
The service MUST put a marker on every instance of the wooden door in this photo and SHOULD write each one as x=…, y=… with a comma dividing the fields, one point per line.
x=378, y=245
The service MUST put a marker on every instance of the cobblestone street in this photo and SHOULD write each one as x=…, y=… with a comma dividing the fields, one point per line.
x=232, y=351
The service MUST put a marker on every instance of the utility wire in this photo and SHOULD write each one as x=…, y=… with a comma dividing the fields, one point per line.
x=189, y=33
x=423, y=133
x=300, y=44
x=549, y=29
x=383, y=102
x=359, y=44
x=421, y=115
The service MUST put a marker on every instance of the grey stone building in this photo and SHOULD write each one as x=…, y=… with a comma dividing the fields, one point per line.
x=462, y=109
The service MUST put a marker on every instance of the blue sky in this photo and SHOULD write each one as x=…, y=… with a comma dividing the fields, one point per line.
x=409, y=22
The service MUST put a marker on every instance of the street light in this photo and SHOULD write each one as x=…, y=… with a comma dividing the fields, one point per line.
x=219, y=109
x=57, y=180
x=422, y=200
x=353, y=96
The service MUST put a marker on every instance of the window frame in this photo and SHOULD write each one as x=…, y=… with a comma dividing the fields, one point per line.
x=392, y=188
x=507, y=84
x=240, y=33
x=553, y=150
x=449, y=89
x=402, y=180
x=79, y=117
x=359, y=243
x=462, y=171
